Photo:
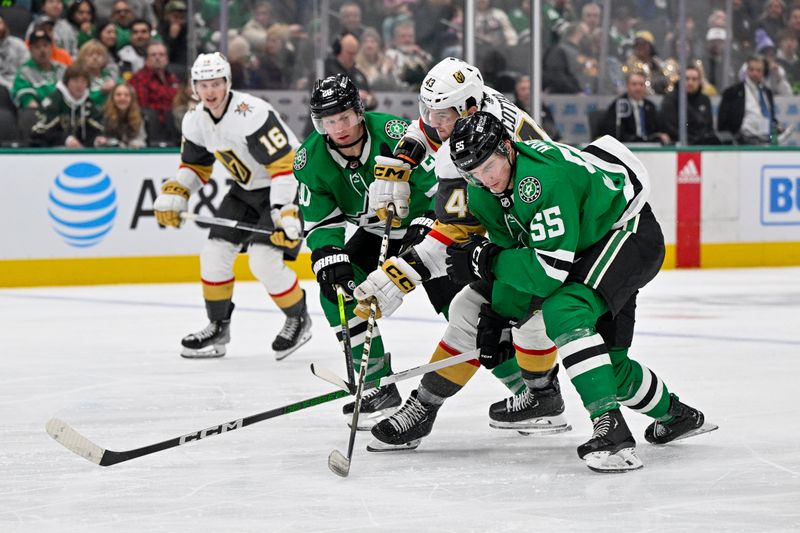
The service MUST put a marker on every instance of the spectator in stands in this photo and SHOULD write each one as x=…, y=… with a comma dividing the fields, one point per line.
x=493, y=27
x=132, y=56
x=57, y=53
x=563, y=64
x=787, y=57
x=522, y=99
x=37, y=77
x=244, y=68
x=747, y=109
x=395, y=11
x=277, y=61
x=255, y=30
x=103, y=76
x=122, y=121
x=644, y=59
x=773, y=18
x=794, y=21
x=372, y=61
x=431, y=23
x=68, y=117
x=184, y=101
x=632, y=118
x=350, y=18
x=411, y=63
x=142, y=9
x=774, y=75
x=343, y=61
x=155, y=85
x=63, y=35
x=621, y=34
x=743, y=24
x=714, y=60
x=174, y=31
x=13, y=53
x=122, y=16
x=82, y=16
x=699, y=119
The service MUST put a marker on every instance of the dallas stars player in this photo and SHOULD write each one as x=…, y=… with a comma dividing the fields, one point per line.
x=247, y=136
x=335, y=168
x=576, y=231
x=453, y=89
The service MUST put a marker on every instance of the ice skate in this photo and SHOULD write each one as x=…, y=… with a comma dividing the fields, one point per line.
x=376, y=404
x=296, y=332
x=209, y=342
x=612, y=448
x=405, y=429
x=686, y=422
x=531, y=413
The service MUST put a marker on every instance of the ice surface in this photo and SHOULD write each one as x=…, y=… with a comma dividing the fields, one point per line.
x=105, y=359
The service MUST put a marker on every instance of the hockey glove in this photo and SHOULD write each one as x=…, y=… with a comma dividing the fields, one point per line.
x=471, y=260
x=390, y=186
x=332, y=267
x=288, y=227
x=495, y=346
x=170, y=203
x=417, y=229
x=388, y=285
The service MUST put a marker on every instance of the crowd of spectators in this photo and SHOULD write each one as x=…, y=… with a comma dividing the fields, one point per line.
x=134, y=56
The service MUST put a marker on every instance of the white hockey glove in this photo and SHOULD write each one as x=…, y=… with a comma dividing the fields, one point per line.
x=390, y=187
x=288, y=226
x=388, y=285
x=170, y=203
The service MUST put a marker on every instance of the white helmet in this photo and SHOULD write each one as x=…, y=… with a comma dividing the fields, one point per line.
x=451, y=83
x=211, y=67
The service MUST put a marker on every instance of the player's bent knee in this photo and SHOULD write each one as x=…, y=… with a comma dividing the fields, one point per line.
x=216, y=259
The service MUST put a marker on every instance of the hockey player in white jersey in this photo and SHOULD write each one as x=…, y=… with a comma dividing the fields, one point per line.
x=454, y=89
x=247, y=136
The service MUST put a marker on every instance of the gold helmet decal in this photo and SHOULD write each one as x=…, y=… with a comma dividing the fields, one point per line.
x=459, y=76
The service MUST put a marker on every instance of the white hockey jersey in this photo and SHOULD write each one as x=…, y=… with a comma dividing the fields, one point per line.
x=250, y=140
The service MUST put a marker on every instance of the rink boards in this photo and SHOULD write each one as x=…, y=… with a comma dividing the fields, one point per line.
x=86, y=217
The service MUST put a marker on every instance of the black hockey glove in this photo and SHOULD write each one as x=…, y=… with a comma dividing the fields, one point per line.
x=417, y=229
x=495, y=348
x=332, y=267
x=471, y=260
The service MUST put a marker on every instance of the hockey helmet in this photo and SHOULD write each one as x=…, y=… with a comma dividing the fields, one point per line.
x=333, y=95
x=451, y=83
x=474, y=139
x=211, y=67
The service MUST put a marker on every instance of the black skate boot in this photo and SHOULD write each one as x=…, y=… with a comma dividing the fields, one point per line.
x=208, y=342
x=686, y=422
x=376, y=404
x=405, y=429
x=531, y=413
x=612, y=448
x=296, y=332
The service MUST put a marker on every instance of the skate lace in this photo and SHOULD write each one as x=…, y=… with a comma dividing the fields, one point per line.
x=602, y=426
x=290, y=327
x=411, y=413
x=519, y=402
x=206, y=333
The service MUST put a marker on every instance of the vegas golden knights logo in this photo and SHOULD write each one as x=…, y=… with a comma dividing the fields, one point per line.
x=459, y=76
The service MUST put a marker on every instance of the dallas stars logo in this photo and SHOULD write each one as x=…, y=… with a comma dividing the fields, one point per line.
x=243, y=109
x=529, y=189
x=395, y=129
x=299, y=159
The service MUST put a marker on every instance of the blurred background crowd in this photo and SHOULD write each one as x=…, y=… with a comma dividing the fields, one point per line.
x=115, y=72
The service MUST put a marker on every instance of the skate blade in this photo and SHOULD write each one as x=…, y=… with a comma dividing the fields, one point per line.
x=210, y=352
x=546, y=425
x=707, y=427
x=380, y=446
x=366, y=421
x=608, y=463
x=283, y=354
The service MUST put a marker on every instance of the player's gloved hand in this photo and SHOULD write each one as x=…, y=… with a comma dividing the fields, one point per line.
x=417, y=229
x=170, y=203
x=390, y=186
x=471, y=260
x=332, y=267
x=495, y=346
x=388, y=285
x=288, y=227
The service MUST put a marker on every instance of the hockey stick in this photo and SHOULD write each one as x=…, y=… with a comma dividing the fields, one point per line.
x=337, y=462
x=77, y=443
x=348, y=348
x=332, y=378
x=227, y=222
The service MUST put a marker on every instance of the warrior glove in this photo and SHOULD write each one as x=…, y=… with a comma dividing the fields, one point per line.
x=332, y=267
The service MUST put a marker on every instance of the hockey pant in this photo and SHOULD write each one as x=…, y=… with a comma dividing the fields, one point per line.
x=591, y=318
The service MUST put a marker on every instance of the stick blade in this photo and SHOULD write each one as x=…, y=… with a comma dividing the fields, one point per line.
x=74, y=441
x=327, y=375
x=339, y=464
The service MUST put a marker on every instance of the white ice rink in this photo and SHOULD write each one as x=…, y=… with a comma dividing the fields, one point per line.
x=105, y=359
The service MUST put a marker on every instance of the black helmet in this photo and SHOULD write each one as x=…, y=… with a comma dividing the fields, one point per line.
x=474, y=139
x=333, y=95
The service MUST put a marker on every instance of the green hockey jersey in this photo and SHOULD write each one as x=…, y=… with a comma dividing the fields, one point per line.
x=334, y=193
x=564, y=201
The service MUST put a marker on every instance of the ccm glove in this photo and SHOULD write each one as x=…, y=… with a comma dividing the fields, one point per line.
x=170, y=203
x=332, y=267
x=390, y=186
x=471, y=260
x=388, y=285
x=288, y=227
x=492, y=339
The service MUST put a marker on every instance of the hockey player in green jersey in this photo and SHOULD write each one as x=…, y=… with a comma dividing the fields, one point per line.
x=574, y=229
x=335, y=166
